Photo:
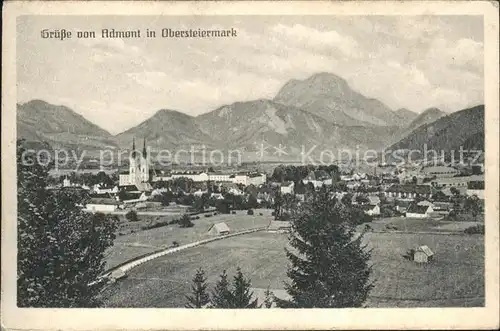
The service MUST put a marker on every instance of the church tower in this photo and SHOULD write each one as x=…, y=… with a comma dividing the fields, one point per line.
x=132, y=162
x=144, y=164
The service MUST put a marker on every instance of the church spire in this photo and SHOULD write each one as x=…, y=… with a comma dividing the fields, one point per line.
x=144, y=152
x=133, y=147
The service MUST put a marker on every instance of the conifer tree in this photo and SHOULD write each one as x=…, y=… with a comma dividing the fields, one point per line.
x=278, y=204
x=221, y=295
x=329, y=264
x=60, y=247
x=269, y=298
x=199, y=297
x=241, y=294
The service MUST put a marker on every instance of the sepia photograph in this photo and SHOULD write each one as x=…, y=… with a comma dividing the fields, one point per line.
x=213, y=161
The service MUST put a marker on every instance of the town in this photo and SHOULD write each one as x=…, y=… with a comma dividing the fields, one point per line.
x=160, y=210
x=391, y=190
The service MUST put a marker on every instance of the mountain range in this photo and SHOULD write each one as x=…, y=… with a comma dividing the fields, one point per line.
x=60, y=127
x=320, y=112
x=462, y=128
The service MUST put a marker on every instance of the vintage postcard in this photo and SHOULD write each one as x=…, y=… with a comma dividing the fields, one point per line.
x=250, y=165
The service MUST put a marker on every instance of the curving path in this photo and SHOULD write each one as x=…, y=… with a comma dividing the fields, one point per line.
x=121, y=271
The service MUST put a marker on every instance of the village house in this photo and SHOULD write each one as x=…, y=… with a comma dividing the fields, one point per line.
x=410, y=191
x=135, y=197
x=235, y=191
x=440, y=172
x=442, y=208
x=476, y=188
x=425, y=203
x=101, y=189
x=217, y=196
x=318, y=178
x=159, y=191
x=102, y=205
x=287, y=188
x=416, y=211
x=456, y=181
x=249, y=179
x=372, y=210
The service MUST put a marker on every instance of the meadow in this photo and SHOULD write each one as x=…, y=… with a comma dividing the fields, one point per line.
x=140, y=242
x=455, y=277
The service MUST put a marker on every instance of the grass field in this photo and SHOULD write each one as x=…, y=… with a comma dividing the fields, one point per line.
x=419, y=225
x=135, y=244
x=455, y=278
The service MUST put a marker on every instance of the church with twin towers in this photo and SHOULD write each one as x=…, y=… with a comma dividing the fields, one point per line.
x=139, y=169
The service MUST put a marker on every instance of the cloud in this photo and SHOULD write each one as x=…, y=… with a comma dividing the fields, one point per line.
x=463, y=53
x=110, y=45
x=103, y=50
x=307, y=37
x=155, y=80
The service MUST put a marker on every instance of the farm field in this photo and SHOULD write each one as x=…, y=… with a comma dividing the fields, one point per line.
x=454, y=278
x=141, y=242
x=419, y=225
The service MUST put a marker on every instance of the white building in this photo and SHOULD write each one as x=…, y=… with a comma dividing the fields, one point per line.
x=371, y=210
x=218, y=177
x=287, y=188
x=476, y=188
x=417, y=211
x=102, y=205
x=103, y=189
x=138, y=168
x=440, y=171
x=66, y=182
x=249, y=179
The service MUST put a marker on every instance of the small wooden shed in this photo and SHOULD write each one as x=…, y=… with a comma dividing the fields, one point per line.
x=423, y=254
x=219, y=229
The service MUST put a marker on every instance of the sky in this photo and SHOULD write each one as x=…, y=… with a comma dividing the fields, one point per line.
x=413, y=62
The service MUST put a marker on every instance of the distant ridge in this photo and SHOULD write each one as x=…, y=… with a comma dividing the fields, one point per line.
x=59, y=126
x=166, y=129
x=406, y=116
x=427, y=116
x=463, y=128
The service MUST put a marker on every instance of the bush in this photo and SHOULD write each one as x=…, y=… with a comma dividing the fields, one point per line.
x=174, y=221
x=476, y=229
x=233, y=212
x=155, y=225
x=388, y=212
x=197, y=217
x=175, y=244
x=185, y=221
x=285, y=217
x=250, y=212
x=260, y=214
x=132, y=216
